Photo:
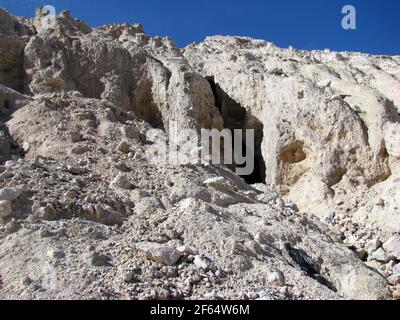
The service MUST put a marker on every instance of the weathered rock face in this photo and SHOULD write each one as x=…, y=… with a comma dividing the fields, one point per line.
x=13, y=35
x=11, y=56
x=122, y=65
x=75, y=181
x=329, y=119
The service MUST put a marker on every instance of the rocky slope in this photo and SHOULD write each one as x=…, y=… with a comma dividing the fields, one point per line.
x=85, y=215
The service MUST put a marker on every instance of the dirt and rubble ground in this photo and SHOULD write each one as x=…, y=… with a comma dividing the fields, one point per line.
x=84, y=214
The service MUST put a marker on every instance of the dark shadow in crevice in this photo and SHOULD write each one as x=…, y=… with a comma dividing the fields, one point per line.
x=6, y=105
x=300, y=259
x=145, y=108
x=237, y=117
x=6, y=109
x=5, y=113
x=8, y=146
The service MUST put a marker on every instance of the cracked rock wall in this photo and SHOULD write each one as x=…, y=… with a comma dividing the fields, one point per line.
x=330, y=119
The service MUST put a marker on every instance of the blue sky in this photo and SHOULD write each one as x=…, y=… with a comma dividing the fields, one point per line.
x=304, y=24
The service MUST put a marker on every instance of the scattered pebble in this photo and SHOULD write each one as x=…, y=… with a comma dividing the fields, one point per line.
x=159, y=253
x=381, y=256
x=277, y=278
x=121, y=181
x=393, y=246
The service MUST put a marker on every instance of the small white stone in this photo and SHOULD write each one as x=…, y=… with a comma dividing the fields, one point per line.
x=218, y=273
x=393, y=246
x=372, y=245
x=186, y=249
x=201, y=263
x=10, y=163
x=232, y=246
x=381, y=256
x=159, y=253
x=121, y=181
x=330, y=217
x=396, y=270
x=218, y=182
x=277, y=278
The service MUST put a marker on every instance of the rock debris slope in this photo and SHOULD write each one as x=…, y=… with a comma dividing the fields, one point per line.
x=84, y=215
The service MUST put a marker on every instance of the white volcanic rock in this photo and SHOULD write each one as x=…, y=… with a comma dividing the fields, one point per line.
x=396, y=270
x=315, y=148
x=392, y=245
x=165, y=255
x=382, y=256
x=81, y=101
x=392, y=139
x=277, y=278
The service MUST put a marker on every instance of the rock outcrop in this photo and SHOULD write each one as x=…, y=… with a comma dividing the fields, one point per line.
x=85, y=214
x=330, y=120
